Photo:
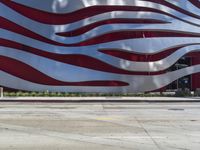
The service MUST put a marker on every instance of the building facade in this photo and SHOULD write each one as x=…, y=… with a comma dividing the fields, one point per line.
x=100, y=45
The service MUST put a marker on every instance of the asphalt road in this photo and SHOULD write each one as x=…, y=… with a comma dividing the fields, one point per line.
x=99, y=126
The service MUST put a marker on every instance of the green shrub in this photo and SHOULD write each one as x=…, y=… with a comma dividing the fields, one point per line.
x=12, y=94
x=183, y=93
x=179, y=93
x=197, y=92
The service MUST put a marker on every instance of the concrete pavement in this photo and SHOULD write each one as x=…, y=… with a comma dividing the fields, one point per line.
x=99, y=126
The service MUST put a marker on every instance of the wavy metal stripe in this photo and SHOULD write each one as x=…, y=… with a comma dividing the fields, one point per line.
x=37, y=26
x=74, y=59
x=133, y=45
x=20, y=84
x=91, y=38
x=31, y=74
x=132, y=34
x=164, y=63
x=196, y=3
x=134, y=68
x=82, y=37
x=137, y=67
x=140, y=57
x=114, y=36
x=118, y=21
x=170, y=5
x=61, y=71
x=11, y=26
x=138, y=86
x=58, y=19
x=87, y=62
x=116, y=15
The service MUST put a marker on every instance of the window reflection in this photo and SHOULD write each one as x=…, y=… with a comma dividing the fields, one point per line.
x=184, y=82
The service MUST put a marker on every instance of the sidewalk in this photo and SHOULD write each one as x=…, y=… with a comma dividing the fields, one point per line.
x=99, y=126
x=100, y=99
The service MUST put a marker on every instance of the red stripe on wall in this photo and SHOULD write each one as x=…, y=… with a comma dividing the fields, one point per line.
x=195, y=3
x=79, y=59
x=29, y=73
x=11, y=26
x=108, y=37
x=58, y=19
x=74, y=59
x=89, y=27
x=179, y=9
x=131, y=56
x=133, y=34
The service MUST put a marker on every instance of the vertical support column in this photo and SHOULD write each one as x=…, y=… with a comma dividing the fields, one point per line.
x=1, y=91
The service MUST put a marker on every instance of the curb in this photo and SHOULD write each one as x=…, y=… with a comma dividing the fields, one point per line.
x=101, y=99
